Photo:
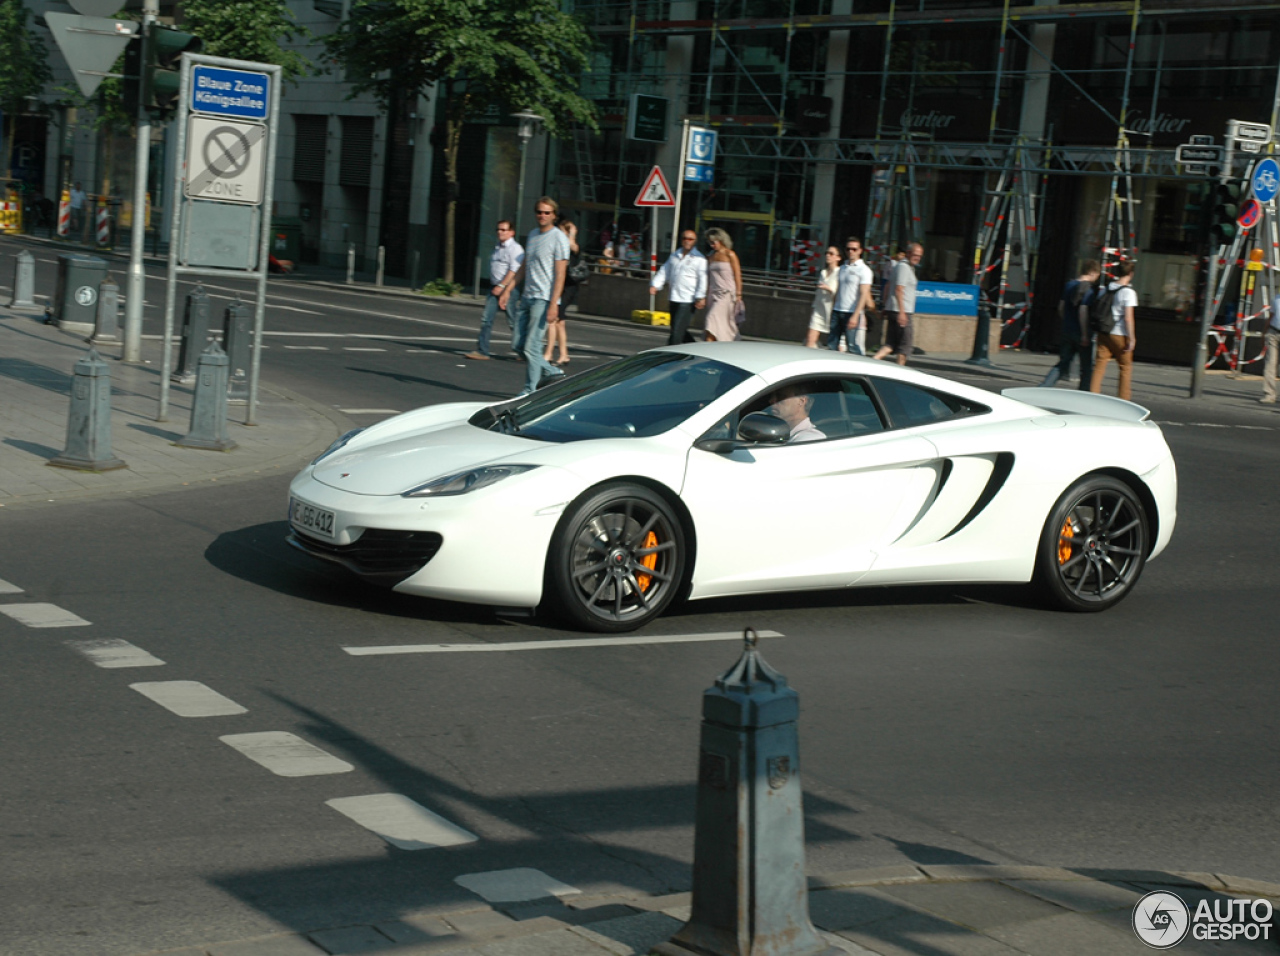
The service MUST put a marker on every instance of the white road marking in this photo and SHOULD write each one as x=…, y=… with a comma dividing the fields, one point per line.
x=189, y=698
x=42, y=615
x=369, y=411
x=353, y=348
x=515, y=886
x=308, y=335
x=548, y=645
x=285, y=754
x=7, y=588
x=115, y=653
x=402, y=822
x=308, y=348
x=294, y=308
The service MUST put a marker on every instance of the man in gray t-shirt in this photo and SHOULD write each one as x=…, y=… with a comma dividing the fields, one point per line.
x=546, y=260
x=897, y=331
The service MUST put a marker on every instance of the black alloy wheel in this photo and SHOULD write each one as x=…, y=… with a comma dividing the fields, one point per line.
x=1094, y=545
x=617, y=559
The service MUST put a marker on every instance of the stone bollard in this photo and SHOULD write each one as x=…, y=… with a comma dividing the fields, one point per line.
x=106, y=328
x=89, y=422
x=750, y=893
x=209, y=406
x=237, y=336
x=195, y=335
x=24, y=281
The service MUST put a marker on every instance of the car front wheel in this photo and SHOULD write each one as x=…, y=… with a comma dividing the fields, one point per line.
x=1094, y=545
x=617, y=559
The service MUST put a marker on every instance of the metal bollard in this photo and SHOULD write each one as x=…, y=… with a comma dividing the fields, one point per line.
x=209, y=404
x=382, y=265
x=89, y=422
x=237, y=334
x=195, y=335
x=106, y=326
x=24, y=281
x=351, y=263
x=750, y=893
x=981, y=335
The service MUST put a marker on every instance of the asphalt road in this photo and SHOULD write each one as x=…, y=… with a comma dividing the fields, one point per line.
x=938, y=725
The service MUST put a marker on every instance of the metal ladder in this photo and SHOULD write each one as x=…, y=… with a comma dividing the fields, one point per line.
x=894, y=214
x=1120, y=240
x=582, y=156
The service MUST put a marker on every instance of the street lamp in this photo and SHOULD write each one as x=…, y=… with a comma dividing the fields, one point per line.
x=529, y=123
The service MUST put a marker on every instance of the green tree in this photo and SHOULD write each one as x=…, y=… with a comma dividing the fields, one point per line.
x=24, y=63
x=510, y=54
x=249, y=30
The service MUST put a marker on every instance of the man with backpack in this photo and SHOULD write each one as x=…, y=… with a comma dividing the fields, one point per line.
x=1111, y=315
x=1075, y=336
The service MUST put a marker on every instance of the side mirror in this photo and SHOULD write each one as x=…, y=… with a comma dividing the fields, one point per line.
x=761, y=428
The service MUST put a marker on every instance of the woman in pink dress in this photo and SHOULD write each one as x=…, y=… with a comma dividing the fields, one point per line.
x=724, y=287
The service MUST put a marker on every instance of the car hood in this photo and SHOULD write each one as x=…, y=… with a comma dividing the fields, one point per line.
x=394, y=466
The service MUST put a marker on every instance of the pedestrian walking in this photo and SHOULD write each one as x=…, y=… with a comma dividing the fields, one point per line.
x=558, y=334
x=1117, y=331
x=853, y=300
x=504, y=261
x=1272, y=339
x=823, y=298
x=1075, y=338
x=77, y=208
x=541, y=276
x=684, y=274
x=898, y=336
x=724, y=288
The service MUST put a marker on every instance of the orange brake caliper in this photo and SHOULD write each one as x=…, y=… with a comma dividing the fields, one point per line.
x=1064, y=542
x=650, y=561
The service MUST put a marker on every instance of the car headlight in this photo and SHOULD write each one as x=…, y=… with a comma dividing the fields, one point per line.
x=336, y=445
x=466, y=481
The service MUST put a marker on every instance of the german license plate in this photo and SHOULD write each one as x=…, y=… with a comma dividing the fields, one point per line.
x=311, y=519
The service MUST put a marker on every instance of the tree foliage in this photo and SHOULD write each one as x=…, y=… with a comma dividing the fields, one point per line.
x=249, y=30
x=24, y=59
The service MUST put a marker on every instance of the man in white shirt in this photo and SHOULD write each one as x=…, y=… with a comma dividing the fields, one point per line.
x=546, y=262
x=853, y=298
x=686, y=271
x=1272, y=337
x=505, y=259
x=898, y=338
x=77, y=208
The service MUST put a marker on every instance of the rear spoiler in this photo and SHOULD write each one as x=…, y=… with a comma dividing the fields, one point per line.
x=1072, y=402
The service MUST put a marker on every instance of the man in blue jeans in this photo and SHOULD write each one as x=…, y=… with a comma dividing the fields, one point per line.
x=504, y=261
x=546, y=260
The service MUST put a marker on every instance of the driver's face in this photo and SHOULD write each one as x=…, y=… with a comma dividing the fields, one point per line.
x=790, y=408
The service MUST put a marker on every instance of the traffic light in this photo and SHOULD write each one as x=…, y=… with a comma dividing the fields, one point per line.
x=131, y=88
x=161, y=74
x=1226, y=209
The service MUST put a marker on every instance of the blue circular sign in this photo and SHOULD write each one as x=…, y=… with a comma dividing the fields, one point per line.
x=1266, y=180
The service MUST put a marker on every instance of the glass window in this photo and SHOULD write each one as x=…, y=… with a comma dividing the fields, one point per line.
x=834, y=407
x=909, y=405
x=637, y=397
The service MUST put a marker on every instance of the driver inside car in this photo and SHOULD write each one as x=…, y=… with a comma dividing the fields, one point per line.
x=792, y=405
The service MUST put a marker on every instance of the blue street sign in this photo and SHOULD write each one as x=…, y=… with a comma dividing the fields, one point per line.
x=702, y=145
x=693, y=173
x=1266, y=180
x=224, y=92
x=947, y=298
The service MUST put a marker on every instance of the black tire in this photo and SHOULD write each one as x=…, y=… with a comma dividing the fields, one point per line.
x=1093, y=546
x=617, y=559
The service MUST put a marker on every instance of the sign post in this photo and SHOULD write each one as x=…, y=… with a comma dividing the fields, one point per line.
x=655, y=194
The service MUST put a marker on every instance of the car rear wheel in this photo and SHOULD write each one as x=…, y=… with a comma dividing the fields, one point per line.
x=1094, y=545
x=617, y=559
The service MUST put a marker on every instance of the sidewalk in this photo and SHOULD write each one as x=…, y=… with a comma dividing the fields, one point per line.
x=891, y=911
x=36, y=364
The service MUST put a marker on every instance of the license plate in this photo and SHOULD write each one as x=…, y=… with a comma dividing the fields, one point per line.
x=310, y=518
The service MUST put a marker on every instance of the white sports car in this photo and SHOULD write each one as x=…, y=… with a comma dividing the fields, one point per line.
x=718, y=469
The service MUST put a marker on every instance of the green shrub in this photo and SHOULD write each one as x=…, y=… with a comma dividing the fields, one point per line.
x=441, y=287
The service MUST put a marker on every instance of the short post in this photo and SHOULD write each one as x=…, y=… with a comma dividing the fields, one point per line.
x=351, y=263
x=195, y=335
x=106, y=326
x=209, y=404
x=89, y=422
x=750, y=893
x=413, y=272
x=981, y=335
x=24, y=281
x=237, y=333
x=382, y=264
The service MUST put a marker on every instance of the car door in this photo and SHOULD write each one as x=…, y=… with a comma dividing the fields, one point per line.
x=809, y=514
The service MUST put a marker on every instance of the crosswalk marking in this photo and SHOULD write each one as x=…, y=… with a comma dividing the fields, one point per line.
x=402, y=822
x=189, y=698
x=519, y=885
x=356, y=348
x=7, y=588
x=369, y=411
x=548, y=645
x=115, y=653
x=285, y=754
x=42, y=615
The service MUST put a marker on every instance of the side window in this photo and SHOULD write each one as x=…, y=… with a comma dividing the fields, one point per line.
x=833, y=407
x=909, y=405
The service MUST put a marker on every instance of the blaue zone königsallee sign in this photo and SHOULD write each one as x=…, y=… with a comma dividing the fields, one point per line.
x=946, y=298
x=236, y=93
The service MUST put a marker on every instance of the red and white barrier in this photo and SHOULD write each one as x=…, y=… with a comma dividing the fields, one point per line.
x=64, y=214
x=104, y=226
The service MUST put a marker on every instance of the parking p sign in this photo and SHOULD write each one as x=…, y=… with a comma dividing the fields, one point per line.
x=1265, y=180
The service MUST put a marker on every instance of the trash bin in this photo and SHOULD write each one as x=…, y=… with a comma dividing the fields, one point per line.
x=75, y=301
x=286, y=239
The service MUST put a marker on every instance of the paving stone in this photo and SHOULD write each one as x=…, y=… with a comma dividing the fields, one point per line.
x=351, y=939
x=978, y=905
x=1081, y=896
x=1254, y=887
x=416, y=929
x=867, y=877
x=913, y=934
x=840, y=909
x=563, y=943
x=997, y=871
x=477, y=922
x=268, y=946
x=635, y=933
x=1071, y=934
x=662, y=902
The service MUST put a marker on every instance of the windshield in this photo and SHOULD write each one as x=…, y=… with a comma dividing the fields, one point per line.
x=637, y=397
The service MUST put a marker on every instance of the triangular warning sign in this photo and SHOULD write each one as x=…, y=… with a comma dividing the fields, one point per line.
x=655, y=191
